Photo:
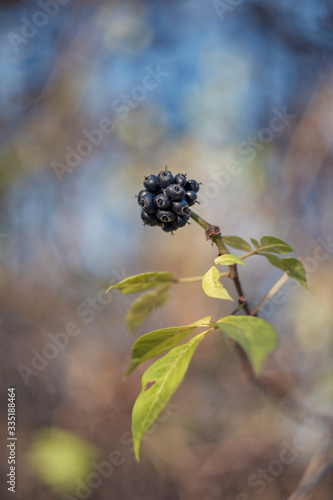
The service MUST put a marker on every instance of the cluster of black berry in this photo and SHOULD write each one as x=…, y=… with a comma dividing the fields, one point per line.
x=166, y=200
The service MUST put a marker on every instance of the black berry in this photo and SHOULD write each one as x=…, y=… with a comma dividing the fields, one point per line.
x=181, y=221
x=147, y=203
x=168, y=227
x=142, y=193
x=149, y=219
x=166, y=215
x=181, y=207
x=162, y=201
x=165, y=178
x=175, y=192
x=151, y=183
x=190, y=197
x=192, y=186
x=181, y=180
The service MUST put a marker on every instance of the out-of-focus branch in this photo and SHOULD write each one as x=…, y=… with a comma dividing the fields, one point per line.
x=319, y=467
x=275, y=288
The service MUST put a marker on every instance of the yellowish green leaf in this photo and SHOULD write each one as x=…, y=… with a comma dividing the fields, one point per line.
x=228, y=260
x=159, y=341
x=213, y=287
x=142, y=282
x=159, y=383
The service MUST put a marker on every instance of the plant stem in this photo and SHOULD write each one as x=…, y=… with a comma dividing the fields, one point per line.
x=199, y=220
x=249, y=254
x=235, y=311
x=217, y=238
x=257, y=251
x=214, y=233
x=188, y=280
x=195, y=278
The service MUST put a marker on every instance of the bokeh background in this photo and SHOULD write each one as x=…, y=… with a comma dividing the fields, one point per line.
x=195, y=86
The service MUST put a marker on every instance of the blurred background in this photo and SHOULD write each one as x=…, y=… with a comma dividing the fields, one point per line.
x=93, y=97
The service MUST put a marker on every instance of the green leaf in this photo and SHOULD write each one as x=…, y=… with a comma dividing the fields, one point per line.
x=141, y=282
x=159, y=383
x=255, y=243
x=237, y=242
x=275, y=245
x=144, y=305
x=293, y=267
x=273, y=259
x=154, y=343
x=228, y=260
x=255, y=335
x=213, y=287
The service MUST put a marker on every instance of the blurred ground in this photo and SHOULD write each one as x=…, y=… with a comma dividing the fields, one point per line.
x=94, y=96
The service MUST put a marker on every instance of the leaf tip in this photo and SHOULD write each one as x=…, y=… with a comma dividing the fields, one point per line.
x=131, y=328
x=137, y=445
x=130, y=369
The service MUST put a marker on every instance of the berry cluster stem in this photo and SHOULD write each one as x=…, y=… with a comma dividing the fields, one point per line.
x=214, y=233
x=216, y=238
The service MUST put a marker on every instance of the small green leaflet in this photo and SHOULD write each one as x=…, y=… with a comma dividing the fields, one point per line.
x=267, y=243
x=293, y=267
x=254, y=243
x=159, y=383
x=213, y=287
x=274, y=245
x=228, y=260
x=255, y=335
x=154, y=343
x=141, y=282
x=144, y=305
x=237, y=242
